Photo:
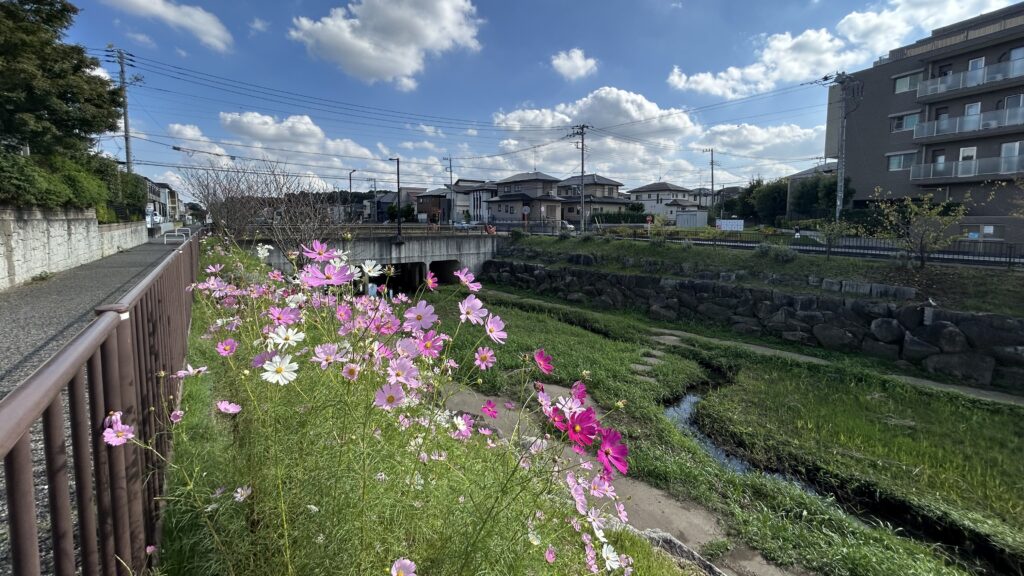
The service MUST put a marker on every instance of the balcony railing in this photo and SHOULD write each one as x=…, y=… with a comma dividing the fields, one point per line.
x=993, y=73
x=1005, y=166
x=987, y=121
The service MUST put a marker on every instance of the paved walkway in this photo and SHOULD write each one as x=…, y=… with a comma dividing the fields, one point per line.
x=676, y=337
x=38, y=318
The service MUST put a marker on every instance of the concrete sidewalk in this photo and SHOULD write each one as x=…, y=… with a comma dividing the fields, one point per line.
x=38, y=318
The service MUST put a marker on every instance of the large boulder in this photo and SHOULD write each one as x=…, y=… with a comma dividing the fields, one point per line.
x=714, y=311
x=945, y=335
x=581, y=259
x=873, y=347
x=661, y=313
x=910, y=316
x=989, y=332
x=972, y=367
x=887, y=330
x=1009, y=378
x=834, y=338
x=799, y=337
x=916, y=350
x=1012, y=355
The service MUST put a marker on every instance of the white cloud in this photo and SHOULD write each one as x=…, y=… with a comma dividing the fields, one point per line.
x=141, y=39
x=470, y=132
x=192, y=137
x=206, y=27
x=857, y=39
x=299, y=133
x=389, y=40
x=181, y=53
x=100, y=71
x=422, y=145
x=574, y=64
x=258, y=25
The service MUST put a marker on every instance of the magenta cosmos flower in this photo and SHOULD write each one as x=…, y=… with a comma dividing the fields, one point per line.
x=543, y=361
x=227, y=347
x=613, y=453
x=283, y=316
x=318, y=252
x=429, y=345
x=466, y=278
x=118, y=434
x=389, y=397
x=472, y=309
x=420, y=317
x=176, y=416
x=489, y=409
x=549, y=555
x=228, y=407
x=583, y=427
x=403, y=567
x=496, y=329
x=484, y=358
x=431, y=281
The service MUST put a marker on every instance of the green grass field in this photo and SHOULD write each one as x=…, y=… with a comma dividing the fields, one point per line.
x=981, y=289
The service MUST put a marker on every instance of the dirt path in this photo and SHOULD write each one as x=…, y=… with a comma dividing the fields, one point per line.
x=677, y=337
x=648, y=507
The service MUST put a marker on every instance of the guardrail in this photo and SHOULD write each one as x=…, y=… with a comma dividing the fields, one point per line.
x=112, y=365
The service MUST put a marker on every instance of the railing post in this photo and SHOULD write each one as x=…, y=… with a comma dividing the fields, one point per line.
x=22, y=508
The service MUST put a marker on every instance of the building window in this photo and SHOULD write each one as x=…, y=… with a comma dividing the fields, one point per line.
x=901, y=161
x=907, y=83
x=982, y=231
x=508, y=188
x=905, y=122
x=518, y=188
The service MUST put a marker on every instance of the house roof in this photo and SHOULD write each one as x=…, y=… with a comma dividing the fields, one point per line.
x=387, y=198
x=827, y=168
x=527, y=176
x=589, y=179
x=435, y=193
x=683, y=203
x=591, y=199
x=660, y=187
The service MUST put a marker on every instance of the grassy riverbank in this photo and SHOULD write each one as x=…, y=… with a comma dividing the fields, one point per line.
x=987, y=289
x=785, y=523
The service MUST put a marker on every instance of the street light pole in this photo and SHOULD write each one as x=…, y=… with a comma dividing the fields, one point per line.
x=398, y=185
x=350, y=173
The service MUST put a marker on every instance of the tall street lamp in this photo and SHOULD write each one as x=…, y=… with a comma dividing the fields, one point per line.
x=398, y=184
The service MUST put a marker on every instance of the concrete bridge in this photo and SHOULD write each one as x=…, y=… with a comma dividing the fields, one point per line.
x=441, y=253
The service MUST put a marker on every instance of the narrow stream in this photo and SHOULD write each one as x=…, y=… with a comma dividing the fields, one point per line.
x=682, y=415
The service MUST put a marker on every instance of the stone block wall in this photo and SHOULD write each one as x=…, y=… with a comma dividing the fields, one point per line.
x=33, y=242
x=981, y=349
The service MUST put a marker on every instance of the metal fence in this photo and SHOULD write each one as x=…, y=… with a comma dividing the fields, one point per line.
x=976, y=252
x=112, y=365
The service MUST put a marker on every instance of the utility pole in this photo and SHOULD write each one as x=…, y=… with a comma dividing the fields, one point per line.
x=581, y=131
x=712, y=203
x=398, y=198
x=451, y=204
x=124, y=112
x=350, y=173
x=851, y=92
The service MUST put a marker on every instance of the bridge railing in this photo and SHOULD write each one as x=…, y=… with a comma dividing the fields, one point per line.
x=116, y=364
x=268, y=232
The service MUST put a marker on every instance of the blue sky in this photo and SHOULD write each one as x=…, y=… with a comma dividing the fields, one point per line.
x=493, y=84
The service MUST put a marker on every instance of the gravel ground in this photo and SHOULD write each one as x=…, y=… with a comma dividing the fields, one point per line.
x=36, y=321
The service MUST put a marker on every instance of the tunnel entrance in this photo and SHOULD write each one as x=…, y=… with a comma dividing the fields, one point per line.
x=445, y=270
x=408, y=277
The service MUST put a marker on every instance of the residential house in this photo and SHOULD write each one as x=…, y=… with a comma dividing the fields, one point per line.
x=600, y=196
x=944, y=115
x=665, y=199
x=156, y=198
x=526, y=196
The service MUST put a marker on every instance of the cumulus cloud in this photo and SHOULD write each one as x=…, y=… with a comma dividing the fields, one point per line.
x=258, y=25
x=141, y=39
x=574, y=64
x=856, y=40
x=206, y=27
x=181, y=53
x=389, y=40
x=100, y=71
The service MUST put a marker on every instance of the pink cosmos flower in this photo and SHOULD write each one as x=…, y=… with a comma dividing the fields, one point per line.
x=510, y=405
x=466, y=278
x=496, y=329
x=403, y=567
x=190, y=371
x=583, y=427
x=484, y=359
x=558, y=419
x=543, y=361
x=420, y=317
x=150, y=549
x=404, y=371
x=429, y=345
x=227, y=347
x=549, y=555
x=176, y=416
x=489, y=409
x=275, y=275
x=325, y=355
x=485, y=431
x=620, y=509
x=613, y=453
x=214, y=268
x=228, y=407
x=472, y=309
x=283, y=316
x=389, y=396
x=330, y=276
x=579, y=391
x=350, y=371
x=431, y=281
x=318, y=252
x=118, y=434
x=463, y=427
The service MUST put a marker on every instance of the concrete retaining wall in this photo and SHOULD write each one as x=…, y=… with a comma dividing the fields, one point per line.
x=33, y=242
x=985, y=350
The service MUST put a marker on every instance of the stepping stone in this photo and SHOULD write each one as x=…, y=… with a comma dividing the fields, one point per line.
x=647, y=379
x=640, y=368
x=652, y=361
x=670, y=340
x=653, y=353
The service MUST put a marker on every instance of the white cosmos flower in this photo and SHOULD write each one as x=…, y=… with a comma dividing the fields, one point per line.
x=284, y=337
x=280, y=370
x=296, y=300
x=611, y=558
x=371, y=268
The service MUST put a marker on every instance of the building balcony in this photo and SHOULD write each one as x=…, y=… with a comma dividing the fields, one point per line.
x=949, y=128
x=970, y=81
x=996, y=168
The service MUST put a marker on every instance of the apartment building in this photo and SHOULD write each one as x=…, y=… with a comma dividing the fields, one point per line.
x=943, y=115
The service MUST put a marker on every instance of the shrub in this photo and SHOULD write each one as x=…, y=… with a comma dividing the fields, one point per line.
x=517, y=234
x=563, y=235
x=775, y=253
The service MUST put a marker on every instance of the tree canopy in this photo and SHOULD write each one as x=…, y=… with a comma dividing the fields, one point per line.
x=49, y=99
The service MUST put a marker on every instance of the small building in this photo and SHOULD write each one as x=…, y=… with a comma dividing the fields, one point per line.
x=657, y=196
x=594, y=185
x=517, y=207
x=530, y=183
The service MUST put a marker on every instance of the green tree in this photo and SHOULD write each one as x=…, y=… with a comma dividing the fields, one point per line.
x=769, y=200
x=921, y=225
x=832, y=231
x=49, y=100
x=635, y=207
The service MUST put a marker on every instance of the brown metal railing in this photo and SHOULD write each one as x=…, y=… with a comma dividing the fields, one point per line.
x=112, y=365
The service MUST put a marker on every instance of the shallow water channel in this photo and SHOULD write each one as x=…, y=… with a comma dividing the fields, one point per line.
x=681, y=414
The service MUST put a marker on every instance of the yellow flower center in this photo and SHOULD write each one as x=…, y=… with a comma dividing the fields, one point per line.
x=279, y=370
x=120, y=434
x=390, y=398
x=419, y=317
x=577, y=428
